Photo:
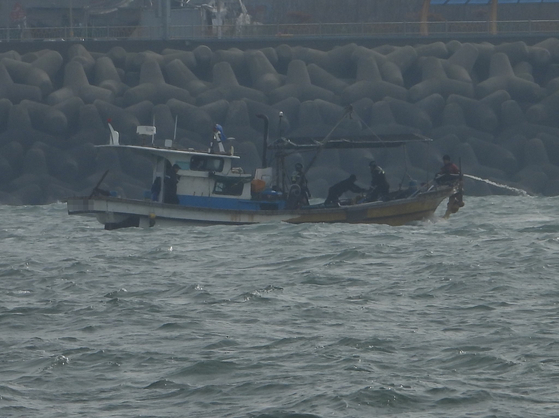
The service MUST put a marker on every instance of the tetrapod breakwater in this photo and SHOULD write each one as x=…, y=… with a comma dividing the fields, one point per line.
x=492, y=107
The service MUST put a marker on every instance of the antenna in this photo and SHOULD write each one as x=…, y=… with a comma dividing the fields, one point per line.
x=279, y=123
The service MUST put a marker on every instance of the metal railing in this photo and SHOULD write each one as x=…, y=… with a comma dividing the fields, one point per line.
x=320, y=30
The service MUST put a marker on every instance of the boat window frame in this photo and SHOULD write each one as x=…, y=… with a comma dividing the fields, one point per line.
x=229, y=187
x=183, y=165
x=202, y=163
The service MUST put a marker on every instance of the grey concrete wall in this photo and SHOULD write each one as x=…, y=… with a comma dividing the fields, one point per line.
x=492, y=106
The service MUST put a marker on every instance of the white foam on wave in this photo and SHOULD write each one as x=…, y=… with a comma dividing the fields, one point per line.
x=502, y=186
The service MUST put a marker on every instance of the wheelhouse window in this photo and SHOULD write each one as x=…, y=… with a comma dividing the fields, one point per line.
x=231, y=187
x=183, y=165
x=199, y=163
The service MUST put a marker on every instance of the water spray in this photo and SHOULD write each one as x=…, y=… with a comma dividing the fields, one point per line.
x=519, y=192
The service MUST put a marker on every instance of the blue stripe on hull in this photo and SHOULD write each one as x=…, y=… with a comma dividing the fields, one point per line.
x=228, y=203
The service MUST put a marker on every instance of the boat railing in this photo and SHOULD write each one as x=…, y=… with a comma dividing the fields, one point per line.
x=279, y=31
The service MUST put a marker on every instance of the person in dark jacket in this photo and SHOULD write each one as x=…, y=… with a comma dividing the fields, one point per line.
x=379, y=185
x=298, y=177
x=170, y=185
x=338, y=189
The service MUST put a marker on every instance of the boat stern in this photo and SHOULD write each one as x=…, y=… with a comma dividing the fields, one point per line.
x=99, y=208
x=80, y=206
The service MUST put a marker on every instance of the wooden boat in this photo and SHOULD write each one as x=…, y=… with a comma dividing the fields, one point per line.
x=211, y=189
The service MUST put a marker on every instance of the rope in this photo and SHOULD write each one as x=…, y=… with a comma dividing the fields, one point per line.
x=406, y=174
x=369, y=128
x=348, y=111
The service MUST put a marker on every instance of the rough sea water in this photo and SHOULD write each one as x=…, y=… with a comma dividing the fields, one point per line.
x=443, y=318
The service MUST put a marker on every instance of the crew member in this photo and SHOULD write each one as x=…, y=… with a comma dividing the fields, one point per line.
x=218, y=139
x=379, y=185
x=298, y=177
x=449, y=171
x=170, y=185
x=338, y=189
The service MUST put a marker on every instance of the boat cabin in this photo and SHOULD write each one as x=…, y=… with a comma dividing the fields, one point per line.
x=201, y=175
x=205, y=179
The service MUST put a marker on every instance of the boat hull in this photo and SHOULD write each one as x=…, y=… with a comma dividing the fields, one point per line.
x=117, y=213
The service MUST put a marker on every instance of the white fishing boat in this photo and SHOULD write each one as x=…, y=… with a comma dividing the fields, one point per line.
x=207, y=187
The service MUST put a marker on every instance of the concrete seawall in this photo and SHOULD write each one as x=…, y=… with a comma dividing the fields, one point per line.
x=491, y=105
